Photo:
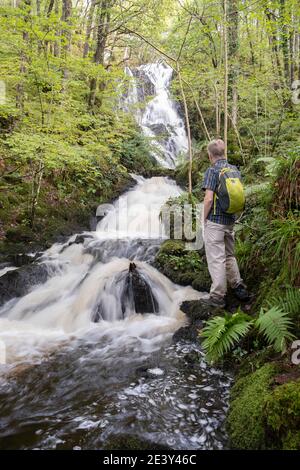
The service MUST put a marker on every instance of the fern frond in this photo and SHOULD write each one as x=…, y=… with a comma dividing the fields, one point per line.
x=274, y=325
x=289, y=303
x=222, y=333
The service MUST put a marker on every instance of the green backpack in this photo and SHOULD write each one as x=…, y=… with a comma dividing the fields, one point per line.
x=230, y=194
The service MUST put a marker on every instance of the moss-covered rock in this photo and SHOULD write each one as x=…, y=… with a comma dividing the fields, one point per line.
x=246, y=420
x=172, y=247
x=262, y=415
x=282, y=414
x=182, y=266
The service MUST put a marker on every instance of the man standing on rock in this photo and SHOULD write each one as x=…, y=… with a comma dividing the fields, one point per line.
x=223, y=189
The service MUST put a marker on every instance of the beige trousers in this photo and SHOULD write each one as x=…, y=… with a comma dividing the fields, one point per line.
x=222, y=264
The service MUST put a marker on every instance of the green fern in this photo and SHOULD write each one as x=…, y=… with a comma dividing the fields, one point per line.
x=289, y=303
x=274, y=325
x=222, y=333
x=283, y=241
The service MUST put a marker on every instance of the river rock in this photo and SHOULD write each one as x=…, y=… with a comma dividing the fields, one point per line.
x=197, y=313
x=18, y=282
x=137, y=293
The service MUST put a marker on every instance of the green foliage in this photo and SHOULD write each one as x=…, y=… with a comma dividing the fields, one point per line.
x=283, y=242
x=243, y=251
x=270, y=416
x=283, y=415
x=272, y=165
x=222, y=333
x=186, y=262
x=246, y=420
x=277, y=165
x=275, y=325
x=172, y=247
x=182, y=266
x=181, y=216
x=289, y=302
x=199, y=165
x=135, y=154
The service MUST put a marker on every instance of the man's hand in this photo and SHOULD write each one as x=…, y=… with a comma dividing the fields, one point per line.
x=207, y=203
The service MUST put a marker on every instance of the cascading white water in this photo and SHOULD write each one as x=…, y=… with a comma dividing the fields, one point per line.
x=80, y=281
x=160, y=119
x=101, y=367
x=136, y=213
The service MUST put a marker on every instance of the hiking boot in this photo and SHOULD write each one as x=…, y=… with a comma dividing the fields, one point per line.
x=241, y=293
x=213, y=302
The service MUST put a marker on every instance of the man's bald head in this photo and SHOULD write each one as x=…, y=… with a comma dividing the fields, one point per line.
x=216, y=149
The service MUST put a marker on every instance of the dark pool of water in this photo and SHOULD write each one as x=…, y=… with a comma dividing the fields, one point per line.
x=93, y=396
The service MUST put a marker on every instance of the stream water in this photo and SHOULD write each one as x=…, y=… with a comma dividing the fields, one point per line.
x=84, y=368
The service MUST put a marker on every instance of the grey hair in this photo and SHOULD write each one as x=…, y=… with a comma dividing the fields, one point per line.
x=216, y=148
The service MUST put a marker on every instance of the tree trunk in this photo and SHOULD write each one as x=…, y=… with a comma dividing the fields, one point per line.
x=285, y=42
x=56, y=47
x=274, y=44
x=50, y=8
x=26, y=4
x=253, y=58
x=89, y=28
x=102, y=33
x=292, y=56
x=37, y=177
x=225, y=76
x=66, y=34
x=233, y=46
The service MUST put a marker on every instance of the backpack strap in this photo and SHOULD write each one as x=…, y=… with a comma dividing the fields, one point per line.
x=215, y=203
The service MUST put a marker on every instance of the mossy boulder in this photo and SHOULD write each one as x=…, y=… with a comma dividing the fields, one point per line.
x=282, y=413
x=172, y=247
x=182, y=266
x=256, y=359
x=262, y=415
x=246, y=420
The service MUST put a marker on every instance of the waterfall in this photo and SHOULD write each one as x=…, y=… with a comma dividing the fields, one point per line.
x=88, y=281
x=158, y=118
x=86, y=350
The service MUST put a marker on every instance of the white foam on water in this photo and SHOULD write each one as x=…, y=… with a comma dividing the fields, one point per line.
x=63, y=307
